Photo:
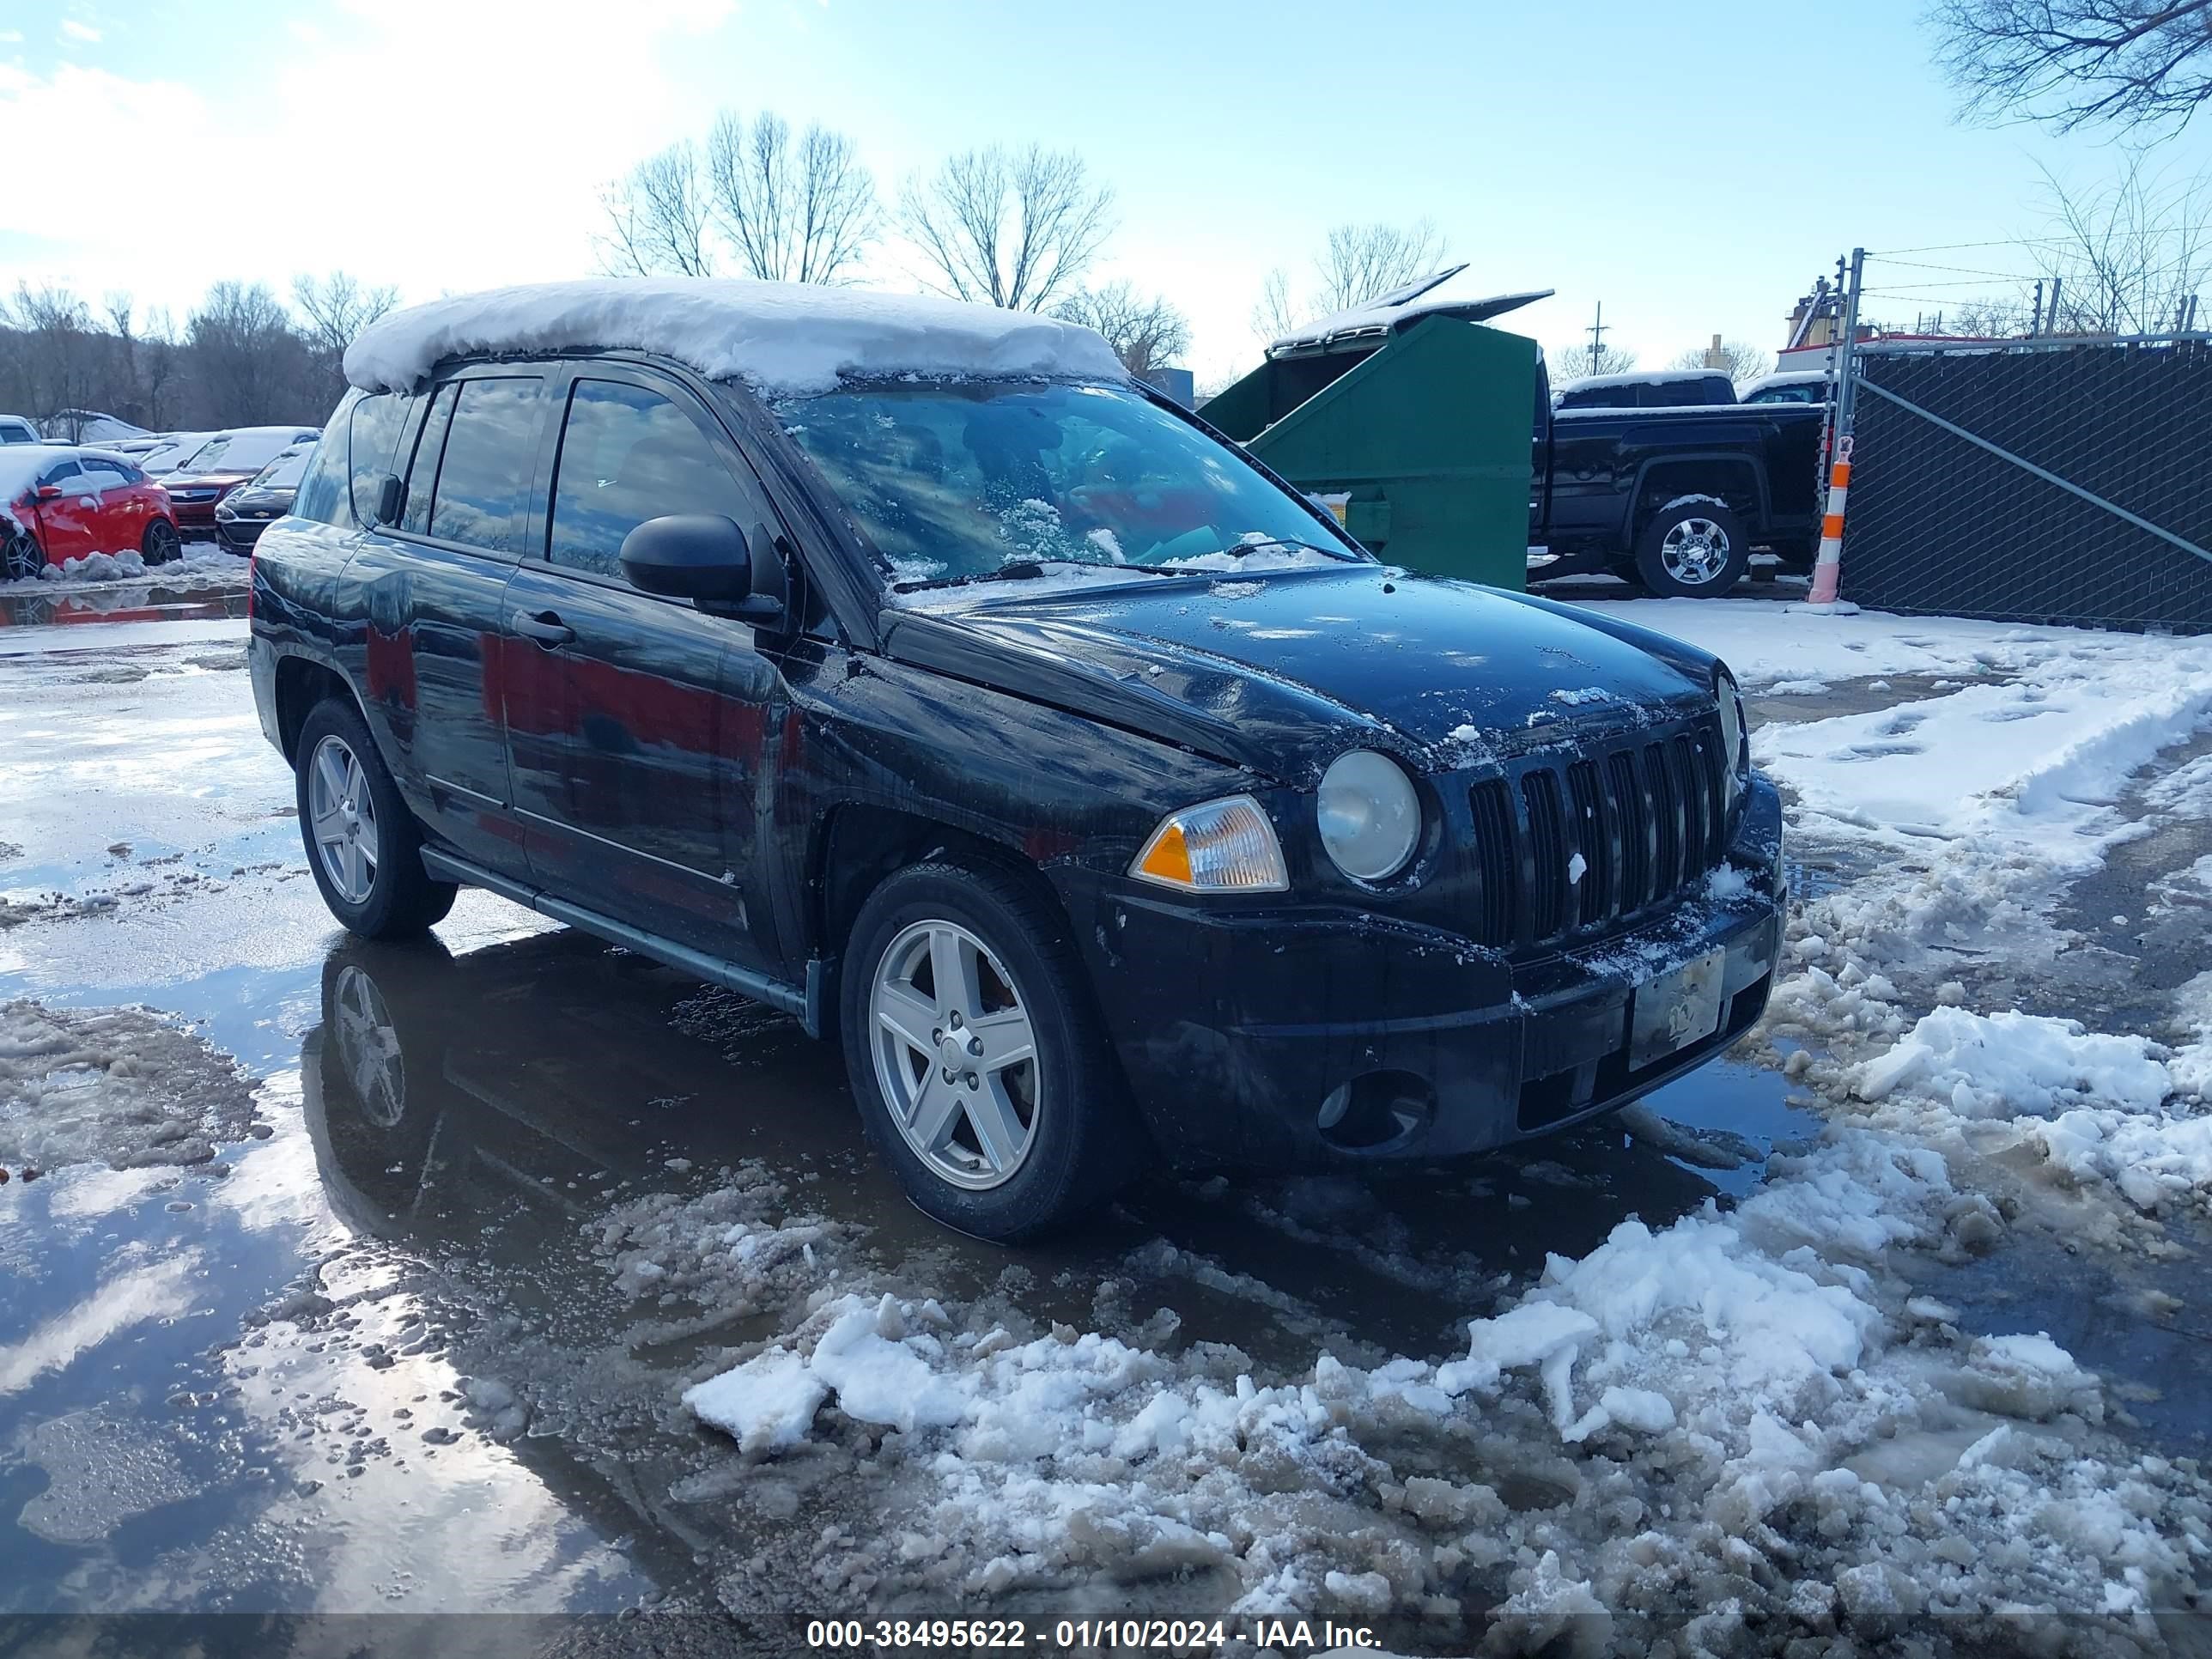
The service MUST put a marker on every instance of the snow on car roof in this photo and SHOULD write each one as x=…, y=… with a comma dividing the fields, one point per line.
x=1642, y=377
x=1786, y=377
x=20, y=463
x=781, y=336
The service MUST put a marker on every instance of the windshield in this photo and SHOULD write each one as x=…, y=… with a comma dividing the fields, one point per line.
x=956, y=481
x=236, y=452
x=284, y=472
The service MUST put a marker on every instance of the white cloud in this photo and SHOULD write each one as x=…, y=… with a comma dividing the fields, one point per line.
x=501, y=186
x=11, y=37
x=76, y=30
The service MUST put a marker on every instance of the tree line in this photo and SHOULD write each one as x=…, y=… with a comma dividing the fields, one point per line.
x=241, y=357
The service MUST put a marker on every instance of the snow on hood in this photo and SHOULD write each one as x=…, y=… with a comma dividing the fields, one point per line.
x=789, y=337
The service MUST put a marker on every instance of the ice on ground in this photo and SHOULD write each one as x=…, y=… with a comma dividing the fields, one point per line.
x=114, y=1085
x=791, y=337
x=1763, y=642
x=1654, y=1432
x=2034, y=765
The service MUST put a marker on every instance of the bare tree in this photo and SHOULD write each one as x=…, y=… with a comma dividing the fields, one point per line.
x=1016, y=229
x=1274, y=315
x=334, y=310
x=2126, y=257
x=247, y=360
x=659, y=218
x=57, y=353
x=337, y=308
x=1571, y=362
x=2075, y=63
x=1740, y=359
x=1362, y=262
x=1146, y=333
x=1358, y=262
x=800, y=212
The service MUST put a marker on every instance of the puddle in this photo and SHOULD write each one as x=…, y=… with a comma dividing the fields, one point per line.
x=120, y=604
x=278, y=1351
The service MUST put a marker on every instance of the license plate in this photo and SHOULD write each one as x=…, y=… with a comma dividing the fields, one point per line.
x=1677, y=1009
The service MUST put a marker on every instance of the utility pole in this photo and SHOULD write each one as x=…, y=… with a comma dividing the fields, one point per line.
x=1827, y=564
x=1598, y=339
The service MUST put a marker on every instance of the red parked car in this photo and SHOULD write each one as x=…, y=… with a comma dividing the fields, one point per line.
x=221, y=464
x=59, y=504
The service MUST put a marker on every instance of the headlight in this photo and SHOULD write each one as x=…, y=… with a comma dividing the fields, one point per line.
x=1224, y=846
x=1738, y=770
x=1370, y=816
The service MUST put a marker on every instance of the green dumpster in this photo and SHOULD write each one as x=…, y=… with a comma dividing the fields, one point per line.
x=1413, y=419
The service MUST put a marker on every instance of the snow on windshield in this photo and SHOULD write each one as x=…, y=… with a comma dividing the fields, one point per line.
x=779, y=337
x=956, y=482
x=246, y=451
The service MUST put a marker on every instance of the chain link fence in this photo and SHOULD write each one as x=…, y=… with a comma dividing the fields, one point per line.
x=2037, y=480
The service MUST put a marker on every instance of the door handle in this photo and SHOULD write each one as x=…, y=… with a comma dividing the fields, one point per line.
x=544, y=626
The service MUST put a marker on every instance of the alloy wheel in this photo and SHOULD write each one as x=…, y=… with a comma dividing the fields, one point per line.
x=368, y=1048
x=955, y=1054
x=1695, y=551
x=342, y=818
x=20, y=558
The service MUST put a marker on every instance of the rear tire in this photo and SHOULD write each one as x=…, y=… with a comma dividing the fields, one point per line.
x=161, y=543
x=1693, y=551
x=363, y=846
x=971, y=964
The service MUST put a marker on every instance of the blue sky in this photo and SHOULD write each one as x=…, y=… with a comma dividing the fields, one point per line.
x=1693, y=165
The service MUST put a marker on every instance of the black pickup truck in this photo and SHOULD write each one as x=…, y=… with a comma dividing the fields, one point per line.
x=1676, y=499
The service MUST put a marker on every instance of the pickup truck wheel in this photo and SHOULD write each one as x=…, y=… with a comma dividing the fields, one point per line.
x=983, y=1077
x=1692, y=550
x=363, y=844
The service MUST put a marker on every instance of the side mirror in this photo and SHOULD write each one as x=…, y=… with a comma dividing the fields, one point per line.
x=49, y=492
x=705, y=558
x=391, y=499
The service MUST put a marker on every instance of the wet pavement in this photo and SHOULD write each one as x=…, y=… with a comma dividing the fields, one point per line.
x=286, y=1379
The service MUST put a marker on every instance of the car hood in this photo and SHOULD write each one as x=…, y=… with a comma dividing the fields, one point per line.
x=1281, y=672
x=203, y=480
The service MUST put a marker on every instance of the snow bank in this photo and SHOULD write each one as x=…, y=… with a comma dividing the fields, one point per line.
x=1654, y=1432
x=2007, y=1064
x=788, y=337
x=112, y=1085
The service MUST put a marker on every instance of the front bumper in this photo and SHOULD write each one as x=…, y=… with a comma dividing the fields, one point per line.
x=1244, y=1033
x=239, y=535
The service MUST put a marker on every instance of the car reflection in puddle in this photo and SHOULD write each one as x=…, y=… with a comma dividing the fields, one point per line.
x=416, y=1352
x=505, y=1099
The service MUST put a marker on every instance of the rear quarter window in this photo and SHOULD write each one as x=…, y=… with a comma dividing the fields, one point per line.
x=323, y=492
x=371, y=448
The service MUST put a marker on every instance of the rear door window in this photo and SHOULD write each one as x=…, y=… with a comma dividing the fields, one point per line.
x=628, y=454
x=491, y=450
x=422, y=472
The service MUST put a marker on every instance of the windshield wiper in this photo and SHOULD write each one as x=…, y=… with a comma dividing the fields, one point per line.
x=1026, y=570
x=1285, y=544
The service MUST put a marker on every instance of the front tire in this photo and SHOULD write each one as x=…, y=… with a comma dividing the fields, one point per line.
x=21, y=558
x=363, y=845
x=161, y=543
x=982, y=1075
x=1694, y=549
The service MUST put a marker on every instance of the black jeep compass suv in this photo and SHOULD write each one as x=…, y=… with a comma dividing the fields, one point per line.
x=905, y=666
